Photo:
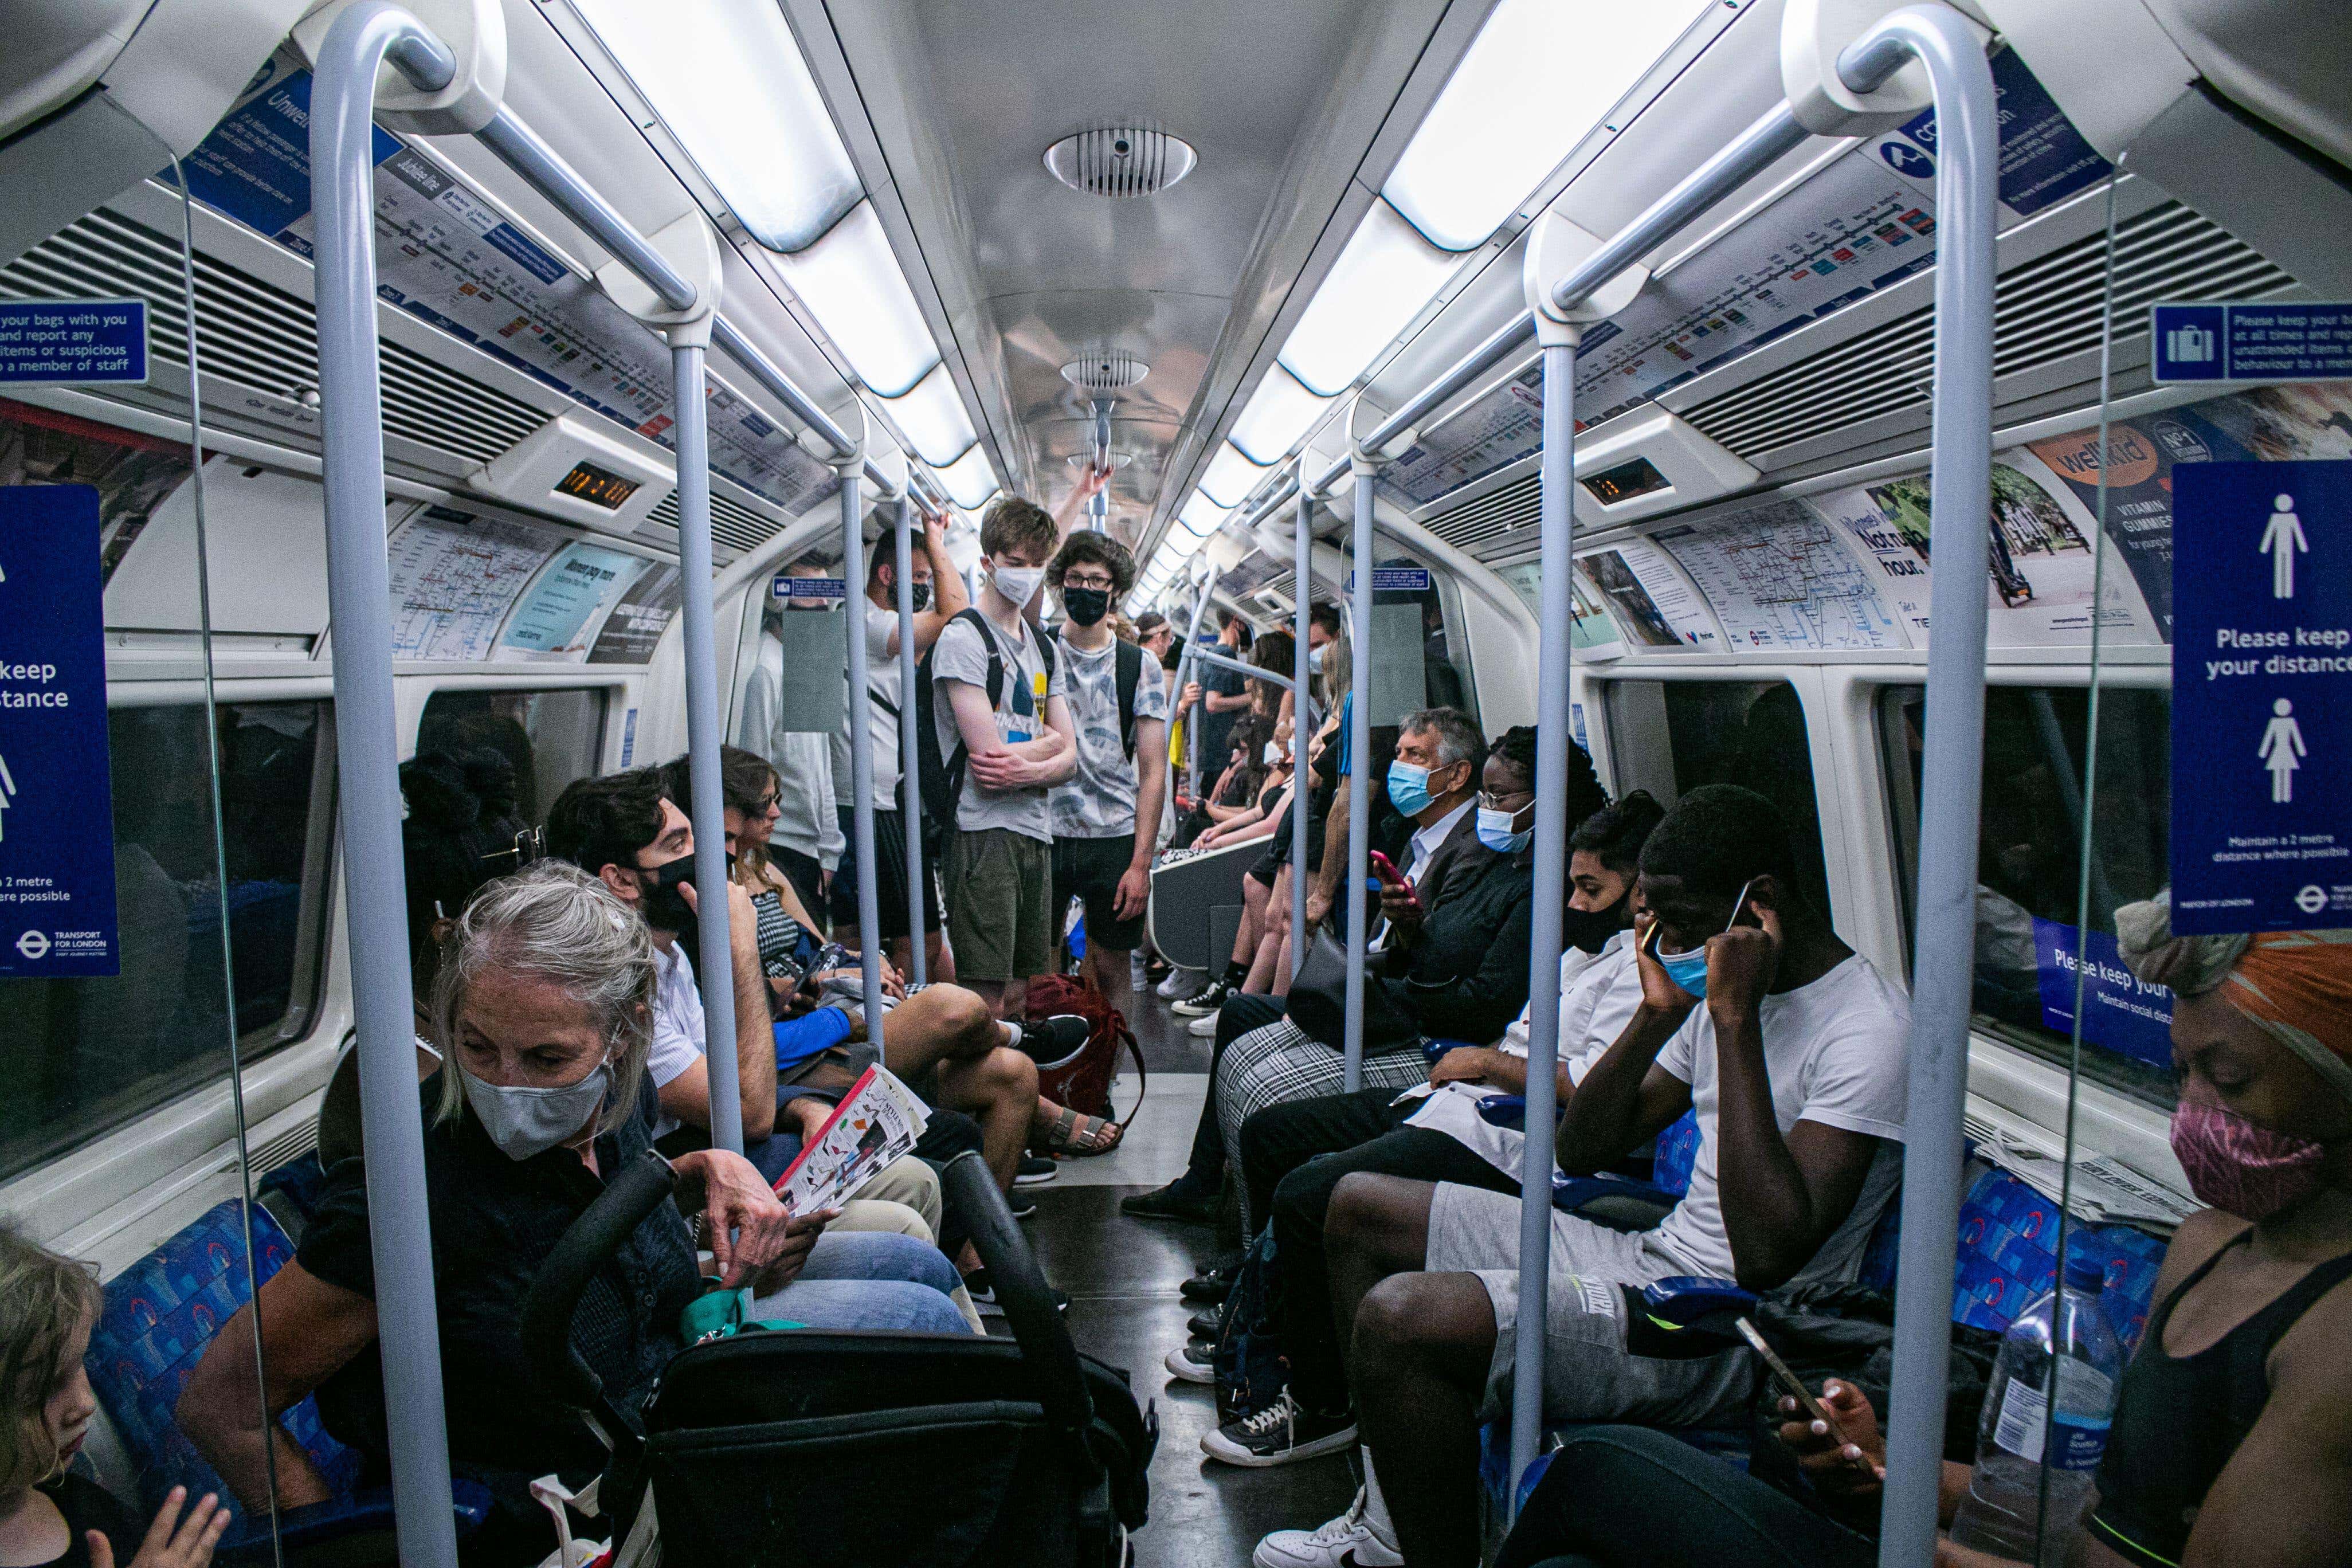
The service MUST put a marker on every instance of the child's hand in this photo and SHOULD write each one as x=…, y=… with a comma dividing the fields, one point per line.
x=189, y=1545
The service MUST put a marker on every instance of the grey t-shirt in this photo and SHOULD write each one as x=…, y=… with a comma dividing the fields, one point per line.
x=882, y=677
x=1098, y=800
x=962, y=654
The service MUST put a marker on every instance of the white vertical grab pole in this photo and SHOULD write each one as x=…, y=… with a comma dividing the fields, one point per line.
x=910, y=792
x=1360, y=784
x=367, y=753
x=861, y=755
x=1301, y=672
x=1951, y=771
x=704, y=737
x=1553, y=733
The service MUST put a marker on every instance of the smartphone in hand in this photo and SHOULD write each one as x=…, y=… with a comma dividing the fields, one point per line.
x=1394, y=878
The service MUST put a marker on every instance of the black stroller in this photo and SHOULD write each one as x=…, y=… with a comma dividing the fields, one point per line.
x=809, y=1449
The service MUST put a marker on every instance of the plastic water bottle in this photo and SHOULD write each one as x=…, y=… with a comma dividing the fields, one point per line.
x=2061, y=1341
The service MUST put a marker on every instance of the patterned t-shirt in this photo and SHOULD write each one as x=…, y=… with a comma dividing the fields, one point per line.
x=1098, y=800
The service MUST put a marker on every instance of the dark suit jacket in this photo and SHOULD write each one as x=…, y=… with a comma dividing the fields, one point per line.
x=1464, y=976
x=1456, y=865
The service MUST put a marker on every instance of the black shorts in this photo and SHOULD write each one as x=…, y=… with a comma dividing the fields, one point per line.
x=889, y=877
x=1089, y=869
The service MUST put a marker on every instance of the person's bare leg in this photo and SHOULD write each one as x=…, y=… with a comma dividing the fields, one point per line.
x=999, y=1091
x=939, y=1023
x=1423, y=1346
x=1110, y=972
x=1283, y=969
x=1260, y=980
x=941, y=956
x=1376, y=1225
x=1253, y=897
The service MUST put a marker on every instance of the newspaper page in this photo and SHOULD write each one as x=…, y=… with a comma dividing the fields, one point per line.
x=876, y=1123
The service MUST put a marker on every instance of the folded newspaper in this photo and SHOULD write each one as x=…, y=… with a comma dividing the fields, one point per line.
x=2104, y=1190
x=876, y=1123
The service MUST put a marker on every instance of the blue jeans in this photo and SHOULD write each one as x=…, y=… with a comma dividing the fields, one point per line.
x=861, y=1281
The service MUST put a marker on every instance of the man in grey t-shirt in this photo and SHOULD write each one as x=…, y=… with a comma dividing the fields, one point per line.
x=1107, y=816
x=998, y=866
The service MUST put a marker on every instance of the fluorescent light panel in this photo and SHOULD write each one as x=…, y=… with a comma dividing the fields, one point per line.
x=970, y=481
x=1231, y=476
x=1200, y=516
x=729, y=81
x=850, y=281
x=1278, y=413
x=1536, y=79
x=1381, y=281
x=933, y=418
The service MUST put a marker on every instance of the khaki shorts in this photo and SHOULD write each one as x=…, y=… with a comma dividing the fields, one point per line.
x=999, y=887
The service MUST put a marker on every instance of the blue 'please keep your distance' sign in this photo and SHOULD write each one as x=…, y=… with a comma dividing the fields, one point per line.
x=57, y=814
x=2262, y=695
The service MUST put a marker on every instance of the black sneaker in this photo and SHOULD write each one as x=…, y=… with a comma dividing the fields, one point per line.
x=1210, y=1285
x=1023, y=1205
x=1204, y=1325
x=1036, y=1170
x=982, y=1291
x=1056, y=1041
x=1177, y=1200
x=1202, y=1001
x=1280, y=1434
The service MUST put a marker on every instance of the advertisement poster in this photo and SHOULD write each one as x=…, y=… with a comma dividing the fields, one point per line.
x=2261, y=697
x=638, y=622
x=1779, y=575
x=134, y=474
x=1654, y=605
x=57, y=792
x=556, y=615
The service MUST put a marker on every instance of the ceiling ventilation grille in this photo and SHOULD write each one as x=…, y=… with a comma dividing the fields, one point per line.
x=1115, y=371
x=259, y=335
x=2046, y=310
x=1495, y=513
x=1120, y=161
x=732, y=524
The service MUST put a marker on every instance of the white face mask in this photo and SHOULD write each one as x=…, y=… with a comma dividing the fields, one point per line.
x=527, y=1121
x=1273, y=753
x=1019, y=585
x=1315, y=656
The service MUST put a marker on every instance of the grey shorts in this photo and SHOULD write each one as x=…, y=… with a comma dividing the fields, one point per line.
x=1587, y=1376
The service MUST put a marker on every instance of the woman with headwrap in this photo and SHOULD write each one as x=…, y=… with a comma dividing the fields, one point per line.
x=2231, y=1444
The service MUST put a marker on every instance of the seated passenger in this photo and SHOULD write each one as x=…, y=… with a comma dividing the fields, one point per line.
x=1293, y=1154
x=2231, y=1444
x=547, y=1003
x=1795, y=1066
x=1448, y=959
x=626, y=830
x=47, y=1514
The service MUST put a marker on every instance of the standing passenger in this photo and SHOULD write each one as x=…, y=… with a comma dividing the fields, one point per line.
x=939, y=598
x=1107, y=816
x=1005, y=737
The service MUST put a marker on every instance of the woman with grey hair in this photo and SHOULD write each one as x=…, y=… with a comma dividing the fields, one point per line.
x=543, y=1014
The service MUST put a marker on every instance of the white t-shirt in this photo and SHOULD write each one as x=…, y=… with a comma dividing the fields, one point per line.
x=679, y=1031
x=1597, y=995
x=1835, y=1052
x=806, y=821
x=962, y=654
x=882, y=724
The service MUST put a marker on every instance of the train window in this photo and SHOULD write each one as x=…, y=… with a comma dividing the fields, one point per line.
x=2030, y=867
x=547, y=739
x=86, y=1056
x=1669, y=736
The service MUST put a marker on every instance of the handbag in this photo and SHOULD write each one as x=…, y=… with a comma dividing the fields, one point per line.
x=1319, y=1003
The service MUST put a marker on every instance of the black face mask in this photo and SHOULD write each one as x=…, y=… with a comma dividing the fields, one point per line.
x=1086, y=605
x=1592, y=931
x=665, y=907
x=920, y=597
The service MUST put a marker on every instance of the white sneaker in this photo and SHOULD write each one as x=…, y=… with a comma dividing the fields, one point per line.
x=1354, y=1540
x=1205, y=1027
x=1180, y=983
x=1186, y=1364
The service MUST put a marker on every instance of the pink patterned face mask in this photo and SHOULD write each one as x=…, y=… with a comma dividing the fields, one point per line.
x=2232, y=1165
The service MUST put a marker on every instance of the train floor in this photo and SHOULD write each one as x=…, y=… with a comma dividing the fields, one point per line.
x=1123, y=1275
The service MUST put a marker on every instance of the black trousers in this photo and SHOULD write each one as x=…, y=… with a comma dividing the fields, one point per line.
x=1242, y=1012
x=1293, y=1156
x=1629, y=1496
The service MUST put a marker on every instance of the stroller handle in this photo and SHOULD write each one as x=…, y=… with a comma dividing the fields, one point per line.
x=633, y=1193
x=1058, y=1379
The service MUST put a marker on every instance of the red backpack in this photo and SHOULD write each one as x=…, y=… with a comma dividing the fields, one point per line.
x=1084, y=1083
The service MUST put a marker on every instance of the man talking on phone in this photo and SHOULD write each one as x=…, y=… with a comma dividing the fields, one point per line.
x=1790, y=1048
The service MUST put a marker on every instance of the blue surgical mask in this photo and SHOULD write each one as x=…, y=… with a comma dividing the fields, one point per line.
x=1495, y=831
x=1689, y=970
x=1408, y=788
x=527, y=1121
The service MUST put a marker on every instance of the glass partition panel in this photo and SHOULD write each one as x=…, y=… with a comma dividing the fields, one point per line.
x=517, y=748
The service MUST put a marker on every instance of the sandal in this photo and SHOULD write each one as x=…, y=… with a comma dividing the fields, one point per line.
x=1070, y=1132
